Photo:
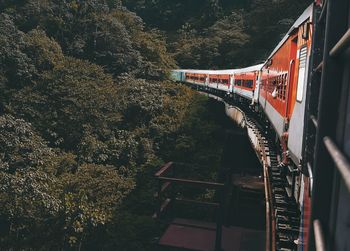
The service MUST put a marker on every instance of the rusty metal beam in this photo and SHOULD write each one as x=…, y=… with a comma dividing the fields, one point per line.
x=163, y=169
x=193, y=182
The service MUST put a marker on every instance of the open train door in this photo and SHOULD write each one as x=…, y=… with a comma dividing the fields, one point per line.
x=257, y=86
x=232, y=81
x=291, y=77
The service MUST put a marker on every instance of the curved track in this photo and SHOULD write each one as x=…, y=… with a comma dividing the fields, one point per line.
x=282, y=217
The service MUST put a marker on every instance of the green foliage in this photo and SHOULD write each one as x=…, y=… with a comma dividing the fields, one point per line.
x=220, y=34
x=45, y=53
x=129, y=232
x=86, y=116
x=21, y=147
x=71, y=97
x=230, y=31
x=109, y=136
x=23, y=58
x=16, y=67
x=25, y=194
x=226, y=37
x=100, y=31
x=41, y=188
x=105, y=195
x=92, y=194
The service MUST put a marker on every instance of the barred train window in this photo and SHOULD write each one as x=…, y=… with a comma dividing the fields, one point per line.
x=248, y=83
x=302, y=72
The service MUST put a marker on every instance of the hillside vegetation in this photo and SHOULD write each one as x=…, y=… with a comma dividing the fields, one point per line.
x=87, y=114
x=220, y=34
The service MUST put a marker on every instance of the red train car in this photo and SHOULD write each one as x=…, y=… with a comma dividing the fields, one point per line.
x=195, y=78
x=220, y=81
x=283, y=100
x=246, y=81
x=283, y=85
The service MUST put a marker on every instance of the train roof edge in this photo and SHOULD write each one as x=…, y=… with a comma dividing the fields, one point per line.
x=307, y=14
x=229, y=71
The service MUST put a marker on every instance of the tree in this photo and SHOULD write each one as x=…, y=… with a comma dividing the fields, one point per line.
x=43, y=189
x=26, y=185
x=44, y=52
x=102, y=32
x=73, y=95
x=232, y=36
x=16, y=67
x=92, y=195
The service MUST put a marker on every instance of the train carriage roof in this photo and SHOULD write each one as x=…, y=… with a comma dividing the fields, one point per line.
x=231, y=71
x=306, y=15
x=222, y=72
x=250, y=68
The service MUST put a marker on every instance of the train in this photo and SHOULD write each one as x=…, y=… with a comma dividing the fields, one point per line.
x=302, y=92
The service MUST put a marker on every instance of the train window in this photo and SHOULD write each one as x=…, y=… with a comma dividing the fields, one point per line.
x=284, y=86
x=238, y=82
x=270, y=85
x=302, y=73
x=280, y=86
x=275, y=83
x=248, y=83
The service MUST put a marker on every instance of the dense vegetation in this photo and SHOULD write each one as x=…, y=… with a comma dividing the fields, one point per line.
x=87, y=114
x=220, y=34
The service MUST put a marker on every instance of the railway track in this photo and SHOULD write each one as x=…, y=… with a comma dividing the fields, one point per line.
x=284, y=215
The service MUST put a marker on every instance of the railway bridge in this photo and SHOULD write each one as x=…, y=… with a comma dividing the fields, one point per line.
x=244, y=195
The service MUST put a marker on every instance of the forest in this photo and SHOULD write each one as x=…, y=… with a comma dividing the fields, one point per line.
x=88, y=114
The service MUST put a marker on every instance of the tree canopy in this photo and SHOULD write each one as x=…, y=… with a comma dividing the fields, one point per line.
x=220, y=34
x=87, y=113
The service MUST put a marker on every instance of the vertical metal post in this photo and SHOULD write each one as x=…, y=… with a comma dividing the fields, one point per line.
x=172, y=191
x=159, y=198
x=219, y=221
